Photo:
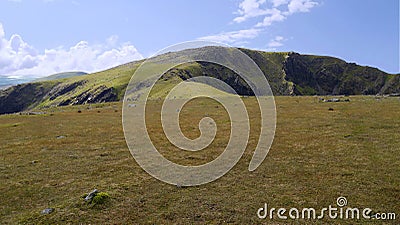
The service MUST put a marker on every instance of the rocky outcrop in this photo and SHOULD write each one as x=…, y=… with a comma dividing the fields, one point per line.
x=321, y=75
x=97, y=95
x=25, y=96
x=62, y=89
x=296, y=74
x=22, y=97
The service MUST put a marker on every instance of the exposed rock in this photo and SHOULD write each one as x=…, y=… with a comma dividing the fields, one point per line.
x=29, y=113
x=336, y=100
x=21, y=97
x=323, y=75
x=332, y=100
x=62, y=89
x=98, y=95
x=47, y=211
x=91, y=195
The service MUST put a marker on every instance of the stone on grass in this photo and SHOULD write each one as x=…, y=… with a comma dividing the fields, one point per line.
x=97, y=198
x=332, y=100
x=91, y=195
x=47, y=211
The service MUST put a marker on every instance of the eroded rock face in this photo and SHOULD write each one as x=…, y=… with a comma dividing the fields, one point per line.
x=25, y=96
x=62, y=89
x=97, y=95
x=22, y=96
x=322, y=75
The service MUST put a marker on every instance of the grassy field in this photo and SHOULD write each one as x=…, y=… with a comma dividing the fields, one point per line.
x=52, y=160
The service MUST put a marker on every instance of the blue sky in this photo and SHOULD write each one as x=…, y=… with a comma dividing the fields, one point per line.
x=41, y=37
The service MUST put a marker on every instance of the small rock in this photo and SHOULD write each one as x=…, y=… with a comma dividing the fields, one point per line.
x=332, y=100
x=47, y=211
x=73, y=156
x=91, y=195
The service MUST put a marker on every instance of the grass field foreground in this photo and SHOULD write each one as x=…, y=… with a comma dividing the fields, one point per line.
x=51, y=160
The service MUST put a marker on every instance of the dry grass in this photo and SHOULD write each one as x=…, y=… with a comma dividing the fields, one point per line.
x=317, y=156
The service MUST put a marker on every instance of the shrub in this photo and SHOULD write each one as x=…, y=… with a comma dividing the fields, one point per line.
x=100, y=198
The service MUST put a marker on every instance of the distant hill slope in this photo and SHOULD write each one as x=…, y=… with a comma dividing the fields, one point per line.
x=61, y=76
x=6, y=81
x=288, y=74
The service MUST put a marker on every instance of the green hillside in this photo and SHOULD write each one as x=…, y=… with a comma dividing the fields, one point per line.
x=288, y=73
x=61, y=76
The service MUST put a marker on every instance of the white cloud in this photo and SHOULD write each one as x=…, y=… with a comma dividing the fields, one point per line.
x=276, y=42
x=275, y=15
x=256, y=8
x=301, y=6
x=2, y=33
x=293, y=6
x=277, y=3
x=233, y=37
x=269, y=12
x=249, y=9
x=18, y=58
x=112, y=41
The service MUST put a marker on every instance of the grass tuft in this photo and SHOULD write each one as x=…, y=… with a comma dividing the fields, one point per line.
x=100, y=198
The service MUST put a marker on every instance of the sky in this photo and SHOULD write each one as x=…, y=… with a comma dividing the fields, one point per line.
x=43, y=37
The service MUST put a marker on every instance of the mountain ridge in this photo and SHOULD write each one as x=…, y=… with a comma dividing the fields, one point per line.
x=288, y=73
x=61, y=76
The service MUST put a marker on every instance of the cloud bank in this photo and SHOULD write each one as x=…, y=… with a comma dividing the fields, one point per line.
x=266, y=12
x=18, y=58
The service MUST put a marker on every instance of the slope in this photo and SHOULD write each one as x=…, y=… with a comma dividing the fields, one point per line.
x=288, y=73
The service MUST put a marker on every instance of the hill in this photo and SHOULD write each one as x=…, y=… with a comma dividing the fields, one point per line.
x=288, y=73
x=61, y=76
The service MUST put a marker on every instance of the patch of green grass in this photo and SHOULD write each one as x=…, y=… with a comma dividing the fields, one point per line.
x=100, y=198
x=317, y=156
x=10, y=125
